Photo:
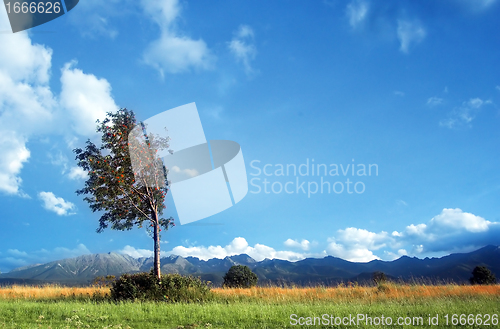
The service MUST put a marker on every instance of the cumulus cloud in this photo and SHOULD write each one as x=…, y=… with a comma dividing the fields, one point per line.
x=14, y=155
x=243, y=48
x=56, y=204
x=463, y=115
x=357, y=12
x=136, y=253
x=304, y=244
x=236, y=247
x=85, y=98
x=434, y=101
x=457, y=219
x=77, y=173
x=173, y=52
x=451, y=230
x=409, y=34
x=29, y=109
x=26, y=103
x=356, y=244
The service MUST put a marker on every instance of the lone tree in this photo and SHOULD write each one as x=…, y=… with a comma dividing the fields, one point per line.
x=240, y=276
x=127, y=180
x=482, y=275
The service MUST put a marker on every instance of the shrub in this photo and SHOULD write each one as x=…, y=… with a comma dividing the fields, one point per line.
x=240, y=276
x=379, y=277
x=102, y=281
x=482, y=275
x=172, y=288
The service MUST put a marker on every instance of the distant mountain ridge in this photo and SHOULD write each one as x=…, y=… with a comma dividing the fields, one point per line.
x=311, y=271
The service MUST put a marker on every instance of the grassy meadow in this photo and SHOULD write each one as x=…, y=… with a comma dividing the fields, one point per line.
x=259, y=307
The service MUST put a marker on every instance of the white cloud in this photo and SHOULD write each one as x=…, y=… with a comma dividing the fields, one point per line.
x=389, y=255
x=92, y=17
x=163, y=12
x=353, y=254
x=188, y=172
x=26, y=102
x=173, y=52
x=17, y=253
x=28, y=108
x=20, y=59
x=56, y=204
x=14, y=155
x=356, y=245
x=136, y=253
x=243, y=48
x=86, y=98
x=237, y=246
x=434, y=101
x=304, y=244
x=402, y=203
x=399, y=93
x=457, y=219
x=412, y=229
x=357, y=12
x=449, y=231
x=453, y=230
x=497, y=88
x=410, y=33
x=62, y=252
x=463, y=115
x=77, y=173
x=17, y=258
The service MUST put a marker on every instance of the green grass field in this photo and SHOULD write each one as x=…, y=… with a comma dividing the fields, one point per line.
x=235, y=310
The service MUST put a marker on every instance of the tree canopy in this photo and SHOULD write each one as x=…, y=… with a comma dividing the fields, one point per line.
x=482, y=275
x=127, y=181
x=240, y=276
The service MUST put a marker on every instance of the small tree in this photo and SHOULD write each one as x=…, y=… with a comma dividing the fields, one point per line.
x=482, y=275
x=129, y=194
x=240, y=276
x=379, y=277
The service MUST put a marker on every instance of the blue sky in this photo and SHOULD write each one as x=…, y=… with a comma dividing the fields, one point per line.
x=408, y=86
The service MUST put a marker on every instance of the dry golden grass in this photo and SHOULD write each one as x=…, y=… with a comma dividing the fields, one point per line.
x=342, y=293
x=277, y=294
x=50, y=292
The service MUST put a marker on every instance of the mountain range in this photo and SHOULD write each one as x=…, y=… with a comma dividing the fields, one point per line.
x=330, y=270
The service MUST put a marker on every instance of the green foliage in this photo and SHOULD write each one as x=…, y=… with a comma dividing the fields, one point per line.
x=112, y=184
x=379, y=277
x=240, y=276
x=104, y=281
x=482, y=275
x=172, y=288
x=127, y=179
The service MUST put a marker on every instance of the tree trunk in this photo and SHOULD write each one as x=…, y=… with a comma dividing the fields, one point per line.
x=157, y=246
